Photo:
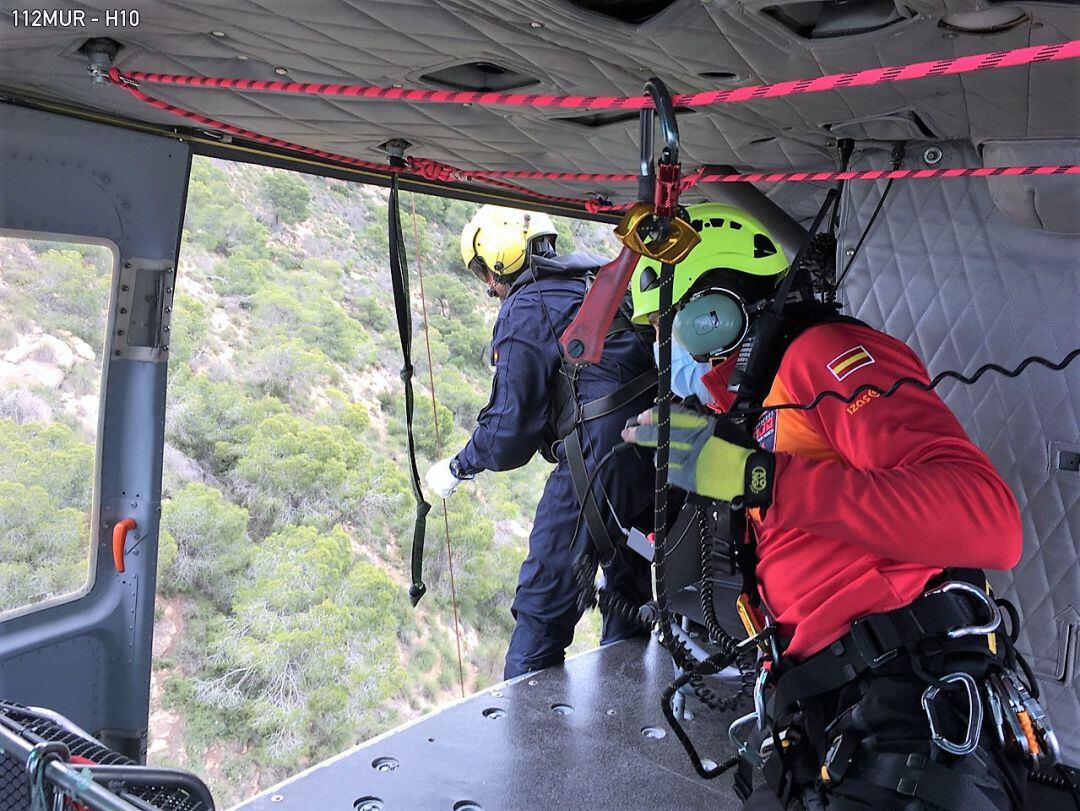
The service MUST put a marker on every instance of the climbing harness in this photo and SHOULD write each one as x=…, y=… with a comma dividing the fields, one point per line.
x=567, y=427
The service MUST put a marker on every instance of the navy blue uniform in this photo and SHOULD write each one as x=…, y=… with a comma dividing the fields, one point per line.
x=510, y=430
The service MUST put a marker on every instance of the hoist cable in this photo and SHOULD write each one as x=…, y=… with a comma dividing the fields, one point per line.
x=865, y=233
x=438, y=440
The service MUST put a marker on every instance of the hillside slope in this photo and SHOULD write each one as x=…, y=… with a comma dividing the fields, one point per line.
x=288, y=514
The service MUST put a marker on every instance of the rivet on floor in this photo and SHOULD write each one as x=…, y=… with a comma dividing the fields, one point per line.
x=385, y=764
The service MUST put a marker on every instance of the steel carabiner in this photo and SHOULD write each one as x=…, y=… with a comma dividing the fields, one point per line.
x=987, y=628
x=975, y=715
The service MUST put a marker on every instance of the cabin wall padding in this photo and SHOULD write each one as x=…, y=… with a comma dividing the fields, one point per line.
x=567, y=49
x=963, y=284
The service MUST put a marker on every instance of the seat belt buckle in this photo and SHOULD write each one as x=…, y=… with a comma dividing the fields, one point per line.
x=866, y=643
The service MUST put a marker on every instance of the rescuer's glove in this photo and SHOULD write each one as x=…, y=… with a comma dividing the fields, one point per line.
x=709, y=457
x=441, y=479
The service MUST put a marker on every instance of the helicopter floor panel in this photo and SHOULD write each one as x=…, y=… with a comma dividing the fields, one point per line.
x=589, y=734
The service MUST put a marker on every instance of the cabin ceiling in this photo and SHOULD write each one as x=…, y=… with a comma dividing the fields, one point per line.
x=573, y=47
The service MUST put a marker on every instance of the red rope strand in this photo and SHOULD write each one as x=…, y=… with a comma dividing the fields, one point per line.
x=438, y=441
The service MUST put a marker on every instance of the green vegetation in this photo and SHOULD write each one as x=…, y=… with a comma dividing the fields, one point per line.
x=289, y=197
x=285, y=632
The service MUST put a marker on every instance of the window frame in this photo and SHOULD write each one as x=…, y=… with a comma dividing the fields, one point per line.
x=95, y=489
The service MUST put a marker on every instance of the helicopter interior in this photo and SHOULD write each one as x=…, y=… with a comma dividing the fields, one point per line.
x=966, y=269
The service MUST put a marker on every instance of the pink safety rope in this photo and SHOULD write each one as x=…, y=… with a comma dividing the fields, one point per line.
x=442, y=172
x=862, y=78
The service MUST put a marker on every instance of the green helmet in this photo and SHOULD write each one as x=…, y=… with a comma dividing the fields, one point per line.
x=730, y=239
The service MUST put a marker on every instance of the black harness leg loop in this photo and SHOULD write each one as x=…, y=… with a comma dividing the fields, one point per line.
x=579, y=476
x=399, y=278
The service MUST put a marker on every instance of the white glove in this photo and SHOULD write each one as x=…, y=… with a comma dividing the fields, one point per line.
x=441, y=480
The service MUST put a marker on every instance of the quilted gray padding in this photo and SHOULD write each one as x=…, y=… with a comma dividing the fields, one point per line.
x=947, y=272
x=567, y=50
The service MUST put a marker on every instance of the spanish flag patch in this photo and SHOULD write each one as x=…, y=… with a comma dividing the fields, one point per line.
x=850, y=361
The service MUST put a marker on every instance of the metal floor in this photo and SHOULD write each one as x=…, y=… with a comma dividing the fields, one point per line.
x=579, y=736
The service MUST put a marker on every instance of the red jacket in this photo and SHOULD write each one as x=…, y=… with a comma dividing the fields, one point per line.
x=871, y=499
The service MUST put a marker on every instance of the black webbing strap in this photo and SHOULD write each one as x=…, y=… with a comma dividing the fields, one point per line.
x=575, y=456
x=876, y=778
x=579, y=477
x=875, y=640
x=622, y=396
x=399, y=278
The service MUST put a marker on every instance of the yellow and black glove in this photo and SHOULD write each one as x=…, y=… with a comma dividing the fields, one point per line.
x=710, y=457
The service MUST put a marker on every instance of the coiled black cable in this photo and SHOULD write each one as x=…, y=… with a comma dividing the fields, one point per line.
x=938, y=379
x=680, y=733
x=1063, y=779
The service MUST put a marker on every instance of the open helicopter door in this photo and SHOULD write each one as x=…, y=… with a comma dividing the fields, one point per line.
x=87, y=655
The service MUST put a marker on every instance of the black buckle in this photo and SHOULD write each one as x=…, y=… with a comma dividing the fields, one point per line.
x=862, y=634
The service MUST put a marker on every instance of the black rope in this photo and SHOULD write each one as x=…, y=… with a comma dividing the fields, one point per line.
x=865, y=233
x=399, y=278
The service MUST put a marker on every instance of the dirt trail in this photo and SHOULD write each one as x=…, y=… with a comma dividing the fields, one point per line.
x=166, y=734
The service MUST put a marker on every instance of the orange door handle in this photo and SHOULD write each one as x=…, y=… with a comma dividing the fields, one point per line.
x=119, y=538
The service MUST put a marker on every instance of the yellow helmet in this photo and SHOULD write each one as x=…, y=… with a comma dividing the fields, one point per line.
x=496, y=240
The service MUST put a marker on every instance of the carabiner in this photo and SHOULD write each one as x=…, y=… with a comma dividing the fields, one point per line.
x=652, y=227
x=744, y=749
x=759, y=696
x=665, y=115
x=987, y=628
x=975, y=715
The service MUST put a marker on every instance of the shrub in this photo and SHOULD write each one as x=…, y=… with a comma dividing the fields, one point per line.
x=296, y=471
x=50, y=456
x=208, y=420
x=288, y=196
x=44, y=548
x=289, y=370
x=64, y=290
x=211, y=540
x=242, y=273
x=216, y=216
x=373, y=313
x=310, y=651
x=189, y=328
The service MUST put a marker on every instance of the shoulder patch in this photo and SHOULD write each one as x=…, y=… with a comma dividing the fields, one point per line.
x=849, y=361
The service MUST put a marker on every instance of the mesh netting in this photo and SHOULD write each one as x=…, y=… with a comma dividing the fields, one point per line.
x=15, y=788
